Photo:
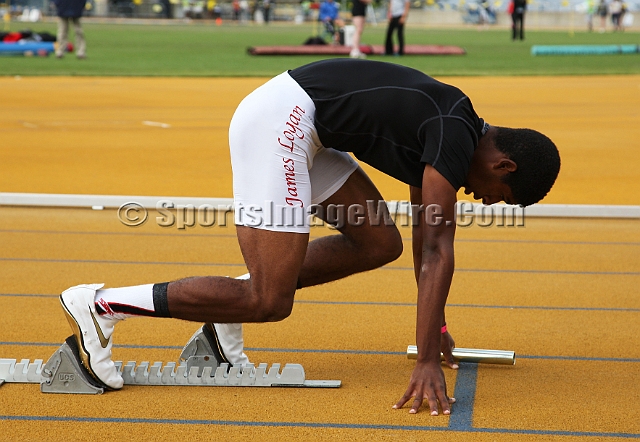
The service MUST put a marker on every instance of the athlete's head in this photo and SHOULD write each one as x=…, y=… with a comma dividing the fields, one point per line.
x=537, y=159
x=518, y=166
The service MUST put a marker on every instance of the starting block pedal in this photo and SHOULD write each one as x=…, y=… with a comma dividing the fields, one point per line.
x=63, y=372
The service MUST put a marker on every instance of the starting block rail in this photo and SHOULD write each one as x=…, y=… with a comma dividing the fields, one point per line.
x=63, y=373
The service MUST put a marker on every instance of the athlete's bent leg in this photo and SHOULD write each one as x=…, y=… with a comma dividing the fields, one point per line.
x=274, y=260
x=358, y=248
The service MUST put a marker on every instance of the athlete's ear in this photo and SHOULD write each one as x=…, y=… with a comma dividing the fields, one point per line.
x=506, y=165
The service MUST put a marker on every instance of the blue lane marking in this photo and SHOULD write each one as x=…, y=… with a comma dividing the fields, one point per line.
x=263, y=349
x=327, y=351
x=531, y=241
x=58, y=344
x=348, y=352
x=461, y=418
x=556, y=433
x=578, y=358
x=230, y=235
x=99, y=261
x=552, y=272
x=508, y=307
x=217, y=264
x=328, y=425
x=176, y=235
x=541, y=307
x=409, y=304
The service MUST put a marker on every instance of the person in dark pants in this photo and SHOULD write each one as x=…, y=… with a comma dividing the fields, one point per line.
x=70, y=11
x=517, y=16
x=167, y=8
x=397, y=15
x=266, y=5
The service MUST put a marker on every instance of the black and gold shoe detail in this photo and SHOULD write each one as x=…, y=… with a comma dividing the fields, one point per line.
x=210, y=333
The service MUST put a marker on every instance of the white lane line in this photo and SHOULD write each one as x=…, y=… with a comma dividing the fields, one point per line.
x=156, y=124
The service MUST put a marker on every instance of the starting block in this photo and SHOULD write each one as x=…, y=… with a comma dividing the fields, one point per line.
x=63, y=372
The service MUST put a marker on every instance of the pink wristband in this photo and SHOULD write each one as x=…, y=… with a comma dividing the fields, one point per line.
x=443, y=329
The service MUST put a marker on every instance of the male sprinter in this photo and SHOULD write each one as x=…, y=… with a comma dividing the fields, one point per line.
x=289, y=141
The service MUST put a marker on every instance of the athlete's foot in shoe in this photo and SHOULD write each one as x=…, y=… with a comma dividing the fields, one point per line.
x=92, y=332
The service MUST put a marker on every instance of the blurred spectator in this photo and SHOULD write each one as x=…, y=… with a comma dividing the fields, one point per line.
x=266, y=7
x=305, y=6
x=615, y=9
x=358, y=14
x=244, y=11
x=518, y=9
x=194, y=8
x=167, y=8
x=329, y=15
x=603, y=11
x=70, y=11
x=217, y=13
x=235, y=4
x=626, y=18
x=397, y=15
x=590, y=9
x=487, y=14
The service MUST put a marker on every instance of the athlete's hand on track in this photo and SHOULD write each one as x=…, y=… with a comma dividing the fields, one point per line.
x=427, y=382
x=446, y=347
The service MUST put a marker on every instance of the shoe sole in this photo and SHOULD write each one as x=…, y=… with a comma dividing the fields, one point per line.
x=210, y=333
x=73, y=345
x=85, y=357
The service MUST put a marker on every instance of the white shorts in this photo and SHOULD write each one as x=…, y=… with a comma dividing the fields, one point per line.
x=280, y=168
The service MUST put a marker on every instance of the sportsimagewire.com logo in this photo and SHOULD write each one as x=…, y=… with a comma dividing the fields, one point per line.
x=400, y=213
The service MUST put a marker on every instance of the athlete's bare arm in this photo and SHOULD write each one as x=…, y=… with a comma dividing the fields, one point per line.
x=433, y=250
x=447, y=343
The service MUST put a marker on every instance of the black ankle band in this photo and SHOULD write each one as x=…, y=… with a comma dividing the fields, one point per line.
x=160, y=301
x=299, y=285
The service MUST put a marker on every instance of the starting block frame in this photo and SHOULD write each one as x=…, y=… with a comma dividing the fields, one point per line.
x=63, y=373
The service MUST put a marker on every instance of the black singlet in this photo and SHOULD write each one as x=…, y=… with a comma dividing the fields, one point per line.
x=394, y=118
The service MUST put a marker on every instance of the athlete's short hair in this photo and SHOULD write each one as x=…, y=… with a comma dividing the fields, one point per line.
x=538, y=162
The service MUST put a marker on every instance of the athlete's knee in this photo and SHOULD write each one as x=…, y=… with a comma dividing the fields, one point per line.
x=389, y=246
x=275, y=311
x=273, y=305
x=383, y=247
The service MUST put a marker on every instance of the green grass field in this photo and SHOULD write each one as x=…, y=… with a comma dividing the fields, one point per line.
x=207, y=50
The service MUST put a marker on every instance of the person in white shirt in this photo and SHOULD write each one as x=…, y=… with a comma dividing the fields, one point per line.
x=615, y=9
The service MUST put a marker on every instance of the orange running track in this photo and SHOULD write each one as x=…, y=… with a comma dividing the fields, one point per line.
x=561, y=293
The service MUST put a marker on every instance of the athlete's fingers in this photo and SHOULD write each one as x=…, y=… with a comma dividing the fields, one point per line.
x=451, y=363
x=417, y=403
x=403, y=400
x=445, y=403
x=433, y=405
